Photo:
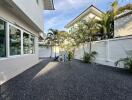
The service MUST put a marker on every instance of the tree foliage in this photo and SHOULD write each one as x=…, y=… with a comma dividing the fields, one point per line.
x=106, y=26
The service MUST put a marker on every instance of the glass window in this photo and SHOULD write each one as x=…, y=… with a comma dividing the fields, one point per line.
x=32, y=44
x=37, y=1
x=15, y=41
x=26, y=43
x=2, y=38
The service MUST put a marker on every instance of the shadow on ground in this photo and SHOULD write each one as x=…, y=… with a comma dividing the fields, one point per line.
x=15, y=88
x=69, y=81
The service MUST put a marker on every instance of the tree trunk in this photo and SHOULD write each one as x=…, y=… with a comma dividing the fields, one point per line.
x=74, y=51
x=83, y=48
x=51, y=53
x=90, y=46
x=55, y=51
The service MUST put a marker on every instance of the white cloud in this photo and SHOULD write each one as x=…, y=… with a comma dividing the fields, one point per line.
x=67, y=5
x=52, y=22
x=75, y=4
x=66, y=10
x=62, y=10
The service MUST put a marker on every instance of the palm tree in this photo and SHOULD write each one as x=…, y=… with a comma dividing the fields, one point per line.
x=53, y=36
x=56, y=38
x=107, y=22
x=115, y=7
x=106, y=25
x=50, y=42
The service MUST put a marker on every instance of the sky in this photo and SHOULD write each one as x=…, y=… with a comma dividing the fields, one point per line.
x=67, y=10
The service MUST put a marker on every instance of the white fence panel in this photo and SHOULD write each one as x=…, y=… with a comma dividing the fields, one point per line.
x=109, y=51
x=120, y=48
x=79, y=52
x=101, y=49
x=44, y=52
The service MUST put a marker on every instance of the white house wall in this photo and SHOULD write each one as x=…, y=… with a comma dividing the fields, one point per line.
x=87, y=17
x=34, y=11
x=123, y=26
x=12, y=17
x=91, y=16
x=12, y=66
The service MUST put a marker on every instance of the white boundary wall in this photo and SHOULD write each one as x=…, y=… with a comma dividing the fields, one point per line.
x=45, y=52
x=109, y=51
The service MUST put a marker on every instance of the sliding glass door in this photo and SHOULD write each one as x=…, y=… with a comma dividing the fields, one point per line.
x=15, y=40
x=32, y=44
x=26, y=43
x=2, y=38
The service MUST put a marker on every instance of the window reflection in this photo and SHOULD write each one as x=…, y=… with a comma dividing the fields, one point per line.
x=15, y=41
x=2, y=38
x=26, y=43
x=32, y=44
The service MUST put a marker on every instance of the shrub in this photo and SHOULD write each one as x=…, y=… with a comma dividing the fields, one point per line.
x=89, y=57
x=127, y=63
x=70, y=56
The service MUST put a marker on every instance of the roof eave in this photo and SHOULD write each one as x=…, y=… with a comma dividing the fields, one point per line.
x=83, y=13
x=126, y=14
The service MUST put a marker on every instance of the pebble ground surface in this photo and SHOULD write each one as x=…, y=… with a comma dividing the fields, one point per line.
x=74, y=80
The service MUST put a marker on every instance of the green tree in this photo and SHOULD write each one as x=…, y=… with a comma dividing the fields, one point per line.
x=85, y=32
x=50, y=42
x=81, y=35
x=78, y=36
x=91, y=29
x=56, y=38
x=106, y=25
x=115, y=7
x=53, y=38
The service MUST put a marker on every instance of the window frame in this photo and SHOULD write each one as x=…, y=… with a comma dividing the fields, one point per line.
x=7, y=40
x=9, y=24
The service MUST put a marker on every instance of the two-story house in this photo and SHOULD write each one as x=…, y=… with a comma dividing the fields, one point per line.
x=90, y=13
x=21, y=24
x=122, y=22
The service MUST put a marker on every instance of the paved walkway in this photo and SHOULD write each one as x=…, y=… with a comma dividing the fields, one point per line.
x=69, y=81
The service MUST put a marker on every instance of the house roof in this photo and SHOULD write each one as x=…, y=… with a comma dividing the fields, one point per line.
x=48, y=5
x=123, y=14
x=88, y=10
